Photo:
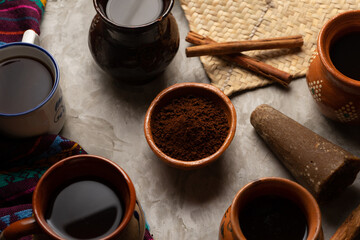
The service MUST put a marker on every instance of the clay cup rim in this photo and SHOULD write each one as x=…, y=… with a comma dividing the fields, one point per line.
x=79, y=163
x=334, y=28
x=281, y=187
x=182, y=89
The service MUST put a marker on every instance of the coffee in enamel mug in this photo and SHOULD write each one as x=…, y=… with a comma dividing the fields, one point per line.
x=25, y=82
x=31, y=100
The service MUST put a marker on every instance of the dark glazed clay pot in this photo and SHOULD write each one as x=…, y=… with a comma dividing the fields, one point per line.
x=133, y=54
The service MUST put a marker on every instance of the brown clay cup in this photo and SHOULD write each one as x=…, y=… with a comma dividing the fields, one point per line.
x=68, y=170
x=230, y=228
x=337, y=96
x=196, y=89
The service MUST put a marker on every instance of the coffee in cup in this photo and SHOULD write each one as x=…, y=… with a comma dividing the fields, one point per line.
x=135, y=12
x=25, y=83
x=85, y=209
x=345, y=52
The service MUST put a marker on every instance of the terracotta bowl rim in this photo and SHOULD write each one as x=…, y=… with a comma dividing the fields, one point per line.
x=181, y=164
x=316, y=215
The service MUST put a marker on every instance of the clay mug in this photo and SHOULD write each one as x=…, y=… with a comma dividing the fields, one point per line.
x=58, y=179
x=134, y=52
x=337, y=95
x=36, y=106
x=230, y=227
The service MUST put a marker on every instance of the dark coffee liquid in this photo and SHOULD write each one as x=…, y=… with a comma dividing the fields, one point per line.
x=85, y=209
x=344, y=54
x=273, y=217
x=133, y=12
x=24, y=84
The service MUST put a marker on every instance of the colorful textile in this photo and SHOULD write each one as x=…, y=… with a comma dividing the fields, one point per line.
x=16, y=16
x=22, y=163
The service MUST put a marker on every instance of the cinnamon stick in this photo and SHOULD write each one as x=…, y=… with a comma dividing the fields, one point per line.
x=350, y=229
x=241, y=46
x=246, y=62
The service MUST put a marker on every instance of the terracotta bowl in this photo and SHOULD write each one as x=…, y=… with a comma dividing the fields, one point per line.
x=196, y=89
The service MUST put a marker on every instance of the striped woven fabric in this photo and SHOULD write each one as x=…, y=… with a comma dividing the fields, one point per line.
x=16, y=16
x=22, y=164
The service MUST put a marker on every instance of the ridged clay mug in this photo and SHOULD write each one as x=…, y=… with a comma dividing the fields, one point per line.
x=72, y=169
x=337, y=95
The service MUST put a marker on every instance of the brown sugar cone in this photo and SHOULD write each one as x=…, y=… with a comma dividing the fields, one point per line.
x=322, y=167
x=350, y=229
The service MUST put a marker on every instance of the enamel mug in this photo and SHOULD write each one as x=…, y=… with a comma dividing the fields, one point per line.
x=44, y=117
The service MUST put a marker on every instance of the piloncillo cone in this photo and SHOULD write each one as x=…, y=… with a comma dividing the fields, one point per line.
x=322, y=167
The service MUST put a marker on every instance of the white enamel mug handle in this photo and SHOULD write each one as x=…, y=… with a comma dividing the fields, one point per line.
x=30, y=36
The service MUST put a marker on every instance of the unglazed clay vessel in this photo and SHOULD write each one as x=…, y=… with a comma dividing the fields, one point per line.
x=230, y=228
x=132, y=225
x=196, y=89
x=337, y=96
x=133, y=54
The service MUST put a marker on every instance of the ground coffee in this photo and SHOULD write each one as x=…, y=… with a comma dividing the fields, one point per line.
x=190, y=128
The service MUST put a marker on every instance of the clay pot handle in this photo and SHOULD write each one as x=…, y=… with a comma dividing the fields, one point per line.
x=20, y=229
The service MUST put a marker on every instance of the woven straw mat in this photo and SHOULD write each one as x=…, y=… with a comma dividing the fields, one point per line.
x=233, y=20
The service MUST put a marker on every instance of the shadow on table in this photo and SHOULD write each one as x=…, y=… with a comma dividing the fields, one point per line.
x=348, y=132
x=197, y=186
x=138, y=97
x=336, y=210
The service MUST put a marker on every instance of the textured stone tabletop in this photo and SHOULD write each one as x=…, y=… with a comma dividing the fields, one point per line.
x=106, y=118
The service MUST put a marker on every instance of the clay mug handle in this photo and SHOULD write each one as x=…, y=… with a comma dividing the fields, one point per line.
x=21, y=228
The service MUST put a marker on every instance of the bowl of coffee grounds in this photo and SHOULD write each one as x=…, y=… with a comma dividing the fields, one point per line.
x=189, y=125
